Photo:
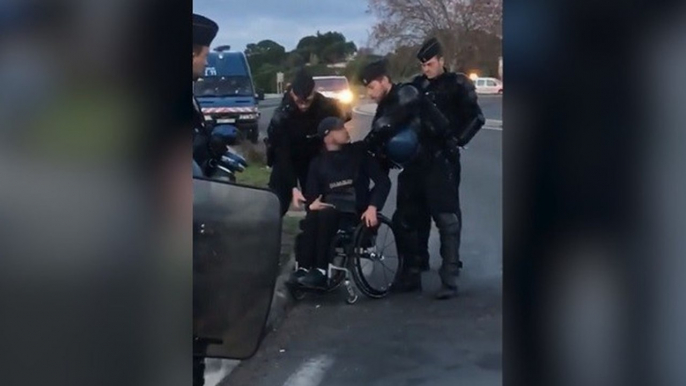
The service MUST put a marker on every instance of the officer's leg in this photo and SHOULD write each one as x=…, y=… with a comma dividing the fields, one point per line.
x=198, y=371
x=423, y=234
x=404, y=223
x=441, y=190
x=458, y=212
x=449, y=229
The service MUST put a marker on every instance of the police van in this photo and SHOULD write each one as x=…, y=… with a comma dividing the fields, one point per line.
x=227, y=94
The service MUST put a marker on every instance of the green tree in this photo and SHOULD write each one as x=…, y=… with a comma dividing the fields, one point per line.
x=265, y=52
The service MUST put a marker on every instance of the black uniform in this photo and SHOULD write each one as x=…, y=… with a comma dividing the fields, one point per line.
x=293, y=143
x=455, y=97
x=428, y=184
x=342, y=178
x=204, y=31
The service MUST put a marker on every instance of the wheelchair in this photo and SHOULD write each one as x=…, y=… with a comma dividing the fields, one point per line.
x=355, y=254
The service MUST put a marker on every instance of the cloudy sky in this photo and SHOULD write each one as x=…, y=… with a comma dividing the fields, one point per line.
x=285, y=21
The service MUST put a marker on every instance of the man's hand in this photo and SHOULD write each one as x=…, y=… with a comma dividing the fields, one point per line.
x=319, y=205
x=369, y=217
x=298, y=198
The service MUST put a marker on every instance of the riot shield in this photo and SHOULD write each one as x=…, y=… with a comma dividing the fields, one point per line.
x=236, y=246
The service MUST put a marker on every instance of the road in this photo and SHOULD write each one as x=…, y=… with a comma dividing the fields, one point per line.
x=407, y=339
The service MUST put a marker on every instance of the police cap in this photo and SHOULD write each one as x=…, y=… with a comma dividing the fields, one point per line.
x=204, y=30
x=373, y=71
x=303, y=84
x=429, y=49
x=328, y=125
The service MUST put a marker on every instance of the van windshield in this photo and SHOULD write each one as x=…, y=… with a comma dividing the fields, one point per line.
x=223, y=86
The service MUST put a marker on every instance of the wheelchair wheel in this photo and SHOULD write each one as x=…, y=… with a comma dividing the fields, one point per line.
x=339, y=258
x=375, y=262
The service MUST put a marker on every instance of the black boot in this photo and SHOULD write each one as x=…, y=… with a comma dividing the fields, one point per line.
x=410, y=278
x=449, y=229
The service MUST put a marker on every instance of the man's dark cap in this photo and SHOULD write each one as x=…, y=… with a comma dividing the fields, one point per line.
x=303, y=84
x=373, y=71
x=204, y=30
x=328, y=124
x=429, y=49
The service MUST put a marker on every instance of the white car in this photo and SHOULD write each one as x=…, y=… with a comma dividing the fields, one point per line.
x=488, y=86
x=335, y=87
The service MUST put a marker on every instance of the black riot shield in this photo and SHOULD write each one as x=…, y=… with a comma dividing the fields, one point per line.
x=236, y=246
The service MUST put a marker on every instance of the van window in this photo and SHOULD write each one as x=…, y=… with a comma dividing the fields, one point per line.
x=491, y=83
x=226, y=74
x=227, y=65
x=223, y=86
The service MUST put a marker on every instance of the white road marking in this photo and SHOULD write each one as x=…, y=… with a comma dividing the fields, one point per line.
x=491, y=124
x=311, y=373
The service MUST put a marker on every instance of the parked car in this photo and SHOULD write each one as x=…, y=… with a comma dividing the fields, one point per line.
x=488, y=86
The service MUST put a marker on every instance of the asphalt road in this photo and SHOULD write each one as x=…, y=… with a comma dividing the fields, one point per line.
x=406, y=339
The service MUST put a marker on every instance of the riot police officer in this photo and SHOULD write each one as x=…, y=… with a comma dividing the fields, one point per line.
x=455, y=97
x=292, y=140
x=427, y=181
x=204, y=147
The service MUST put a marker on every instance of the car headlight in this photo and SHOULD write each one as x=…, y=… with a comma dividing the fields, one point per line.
x=247, y=117
x=346, y=96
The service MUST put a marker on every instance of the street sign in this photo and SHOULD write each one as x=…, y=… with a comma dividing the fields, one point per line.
x=279, y=77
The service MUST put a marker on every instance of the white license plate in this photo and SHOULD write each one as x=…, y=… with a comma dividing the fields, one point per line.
x=226, y=120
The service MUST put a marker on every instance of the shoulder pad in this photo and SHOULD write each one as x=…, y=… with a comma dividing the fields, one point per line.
x=408, y=93
x=462, y=79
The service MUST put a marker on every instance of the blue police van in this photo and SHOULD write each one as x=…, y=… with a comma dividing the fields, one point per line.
x=227, y=95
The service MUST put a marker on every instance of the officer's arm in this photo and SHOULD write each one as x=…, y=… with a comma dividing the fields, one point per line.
x=382, y=183
x=282, y=147
x=409, y=104
x=472, y=116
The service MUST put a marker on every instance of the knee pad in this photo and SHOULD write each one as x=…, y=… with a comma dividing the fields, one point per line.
x=448, y=223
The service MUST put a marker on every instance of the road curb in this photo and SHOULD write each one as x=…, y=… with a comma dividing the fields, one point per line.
x=282, y=300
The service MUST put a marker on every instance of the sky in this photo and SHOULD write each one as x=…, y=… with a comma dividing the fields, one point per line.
x=285, y=21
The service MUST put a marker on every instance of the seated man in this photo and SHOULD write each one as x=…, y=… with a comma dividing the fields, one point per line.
x=337, y=185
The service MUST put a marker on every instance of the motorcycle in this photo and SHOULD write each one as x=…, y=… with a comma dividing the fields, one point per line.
x=231, y=162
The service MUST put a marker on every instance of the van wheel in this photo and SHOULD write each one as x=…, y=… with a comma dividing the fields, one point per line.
x=500, y=92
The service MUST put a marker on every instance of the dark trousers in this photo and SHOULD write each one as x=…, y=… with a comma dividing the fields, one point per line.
x=423, y=221
x=282, y=188
x=428, y=189
x=313, y=247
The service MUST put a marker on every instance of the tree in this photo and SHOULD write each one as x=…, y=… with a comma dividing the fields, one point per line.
x=457, y=24
x=330, y=47
x=265, y=52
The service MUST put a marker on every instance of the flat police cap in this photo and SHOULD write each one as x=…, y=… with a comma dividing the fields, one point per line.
x=429, y=49
x=204, y=30
x=373, y=71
